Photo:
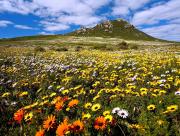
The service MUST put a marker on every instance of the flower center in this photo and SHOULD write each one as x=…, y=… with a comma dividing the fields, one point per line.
x=100, y=124
x=50, y=123
x=77, y=127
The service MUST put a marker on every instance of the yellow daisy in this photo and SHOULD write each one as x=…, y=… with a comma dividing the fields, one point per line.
x=88, y=105
x=23, y=94
x=105, y=113
x=151, y=107
x=172, y=108
x=96, y=107
x=65, y=92
x=28, y=117
x=108, y=118
x=86, y=116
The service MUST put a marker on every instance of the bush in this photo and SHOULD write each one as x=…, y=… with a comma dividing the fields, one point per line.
x=135, y=47
x=99, y=47
x=123, y=45
x=62, y=49
x=103, y=48
x=78, y=48
x=109, y=49
x=39, y=49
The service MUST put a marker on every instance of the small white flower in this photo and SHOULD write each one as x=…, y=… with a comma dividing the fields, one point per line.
x=116, y=110
x=161, y=85
x=94, y=74
x=119, y=67
x=174, y=70
x=177, y=93
x=13, y=103
x=50, y=87
x=123, y=113
x=162, y=80
x=167, y=72
x=134, y=78
x=62, y=88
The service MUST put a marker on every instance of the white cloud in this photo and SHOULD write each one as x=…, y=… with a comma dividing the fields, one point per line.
x=168, y=32
x=95, y=4
x=123, y=7
x=45, y=33
x=56, y=7
x=162, y=20
x=175, y=20
x=72, y=12
x=79, y=20
x=52, y=27
x=5, y=23
x=61, y=12
x=23, y=27
x=17, y=6
x=167, y=11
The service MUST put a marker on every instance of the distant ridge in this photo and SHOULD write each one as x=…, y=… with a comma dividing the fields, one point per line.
x=114, y=28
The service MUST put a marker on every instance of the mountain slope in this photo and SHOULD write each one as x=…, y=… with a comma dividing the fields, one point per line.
x=116, y=28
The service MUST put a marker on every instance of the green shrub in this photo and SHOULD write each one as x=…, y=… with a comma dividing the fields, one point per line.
x=78, y=48
x=109, y=49
x=123, y=45
x=62, y=49
x=99, y=47
x=39, y=49
x=134, y=47
x=103, y=47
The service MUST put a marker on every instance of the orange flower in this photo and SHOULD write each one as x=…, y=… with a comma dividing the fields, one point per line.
x=18, y=116
x=49, y=122
x=40, y=132
x=73, y=103
x=56, y=99
x=100, y=123
x=63, y=128
x=59, y=106
x=77, y=126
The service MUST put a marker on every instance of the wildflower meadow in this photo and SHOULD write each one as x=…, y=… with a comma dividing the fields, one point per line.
x=89, y=93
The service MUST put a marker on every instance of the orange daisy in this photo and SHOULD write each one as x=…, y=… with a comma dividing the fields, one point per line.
x=49, y=122
x=100, y=123
x=57, y=99
x=77, y=126
x=73, y=103
x=63, y=128
x=40, y=132
x=59, y=106
x=18, y=116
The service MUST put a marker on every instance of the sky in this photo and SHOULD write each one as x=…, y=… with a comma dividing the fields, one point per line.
x=158, y=18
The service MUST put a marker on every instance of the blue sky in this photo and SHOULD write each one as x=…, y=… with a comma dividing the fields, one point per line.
x=159, y=18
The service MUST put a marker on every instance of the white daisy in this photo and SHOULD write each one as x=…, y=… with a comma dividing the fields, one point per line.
x=13, y=103
x=61, y=89
x=123, y=113
x=116, y=110
x=177, y=93
x=50, y=87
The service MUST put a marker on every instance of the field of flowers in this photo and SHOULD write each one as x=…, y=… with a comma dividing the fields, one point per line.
x=91, y=93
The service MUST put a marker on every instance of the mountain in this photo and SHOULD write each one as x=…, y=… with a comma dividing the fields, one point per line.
x=115, y=28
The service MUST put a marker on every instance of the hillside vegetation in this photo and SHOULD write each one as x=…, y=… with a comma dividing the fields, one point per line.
x=116, y=28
